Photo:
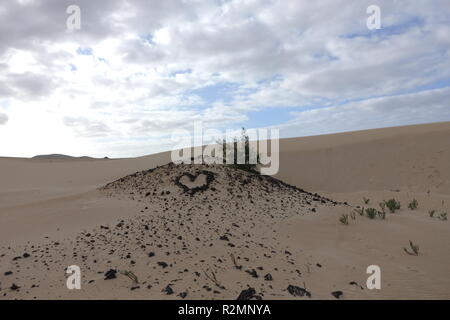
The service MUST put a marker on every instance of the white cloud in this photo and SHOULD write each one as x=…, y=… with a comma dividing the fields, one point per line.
x=415, y=108
x=145, y=63
x=3, y=118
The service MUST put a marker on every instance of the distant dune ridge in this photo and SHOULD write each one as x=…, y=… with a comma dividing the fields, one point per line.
x=57, y=156
x=216, y=232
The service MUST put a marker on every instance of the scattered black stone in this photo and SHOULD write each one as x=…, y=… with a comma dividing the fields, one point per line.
x=14, y=287
x=7, y=273
x=337, y=294
x=183, y=295
x=252, y=272
x=110, y=274
x=151, y=254
x=168, y=290
x=319, y=265
x=268, y=277
x=248, y=294
x=224, y=237
x=192, y=177
x=162, y=264
x=297, y=291
x=26, y=255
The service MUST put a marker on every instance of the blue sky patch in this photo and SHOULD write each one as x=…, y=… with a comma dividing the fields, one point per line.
x=85, y=51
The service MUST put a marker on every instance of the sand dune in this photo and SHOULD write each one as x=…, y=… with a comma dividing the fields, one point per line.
x=176, y=233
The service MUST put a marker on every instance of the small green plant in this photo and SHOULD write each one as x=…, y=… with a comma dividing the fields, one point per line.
x=443, y=216
x=413, y=204
x=414, y=249
x=382, y=207
x=392, y=204
x=360, y=211
x=371, y=213
x=382, y=215
x=366, y=200
x=231, y=149
x=344, y=219
x=353, y=215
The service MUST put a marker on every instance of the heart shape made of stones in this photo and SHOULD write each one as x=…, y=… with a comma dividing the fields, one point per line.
x=193, y=183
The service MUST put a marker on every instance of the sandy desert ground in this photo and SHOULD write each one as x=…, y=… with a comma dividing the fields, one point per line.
x=230, y=230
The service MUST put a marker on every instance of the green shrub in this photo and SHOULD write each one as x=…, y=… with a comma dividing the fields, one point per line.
x=371, y=213
x=443, y=216
x=344, y=219
x=413, y=204
x=392, y=205
x=228, y=147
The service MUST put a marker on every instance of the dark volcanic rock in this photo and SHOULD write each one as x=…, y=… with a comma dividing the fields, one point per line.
x=248, y=294
x=337, y=294
x=297, y=291
x=252, y=272
x=14, y=287
x=110, y=274
x=168, y=290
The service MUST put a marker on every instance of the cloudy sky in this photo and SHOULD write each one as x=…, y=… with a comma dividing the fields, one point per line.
x=138, y=70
